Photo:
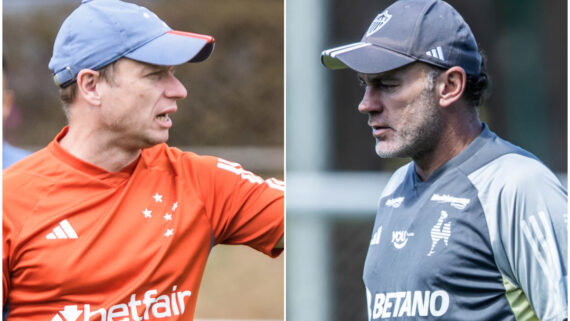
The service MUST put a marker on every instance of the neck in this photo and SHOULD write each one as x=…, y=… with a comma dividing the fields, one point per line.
x=453, y=140
x=97, y=148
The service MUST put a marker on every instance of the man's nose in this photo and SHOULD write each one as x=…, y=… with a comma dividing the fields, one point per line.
x=175, y=89
x=370, y=102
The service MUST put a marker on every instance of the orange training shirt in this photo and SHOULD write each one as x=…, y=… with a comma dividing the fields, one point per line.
x=81, y=243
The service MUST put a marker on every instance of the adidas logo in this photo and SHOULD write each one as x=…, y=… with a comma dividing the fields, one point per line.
x=436, y=53
x=376, y=237
x=62, y=231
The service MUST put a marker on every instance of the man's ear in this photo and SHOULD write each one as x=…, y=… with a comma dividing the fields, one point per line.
x=7, y=102
x=87, y=80
x=451, y=85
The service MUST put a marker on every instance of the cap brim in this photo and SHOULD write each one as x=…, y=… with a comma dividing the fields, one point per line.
x=174, y=48
x=364, y=57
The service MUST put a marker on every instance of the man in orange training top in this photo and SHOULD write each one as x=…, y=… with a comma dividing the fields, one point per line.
x=108, y=222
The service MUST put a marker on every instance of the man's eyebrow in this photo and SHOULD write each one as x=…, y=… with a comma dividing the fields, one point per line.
x=156, y=68
x=377, y=77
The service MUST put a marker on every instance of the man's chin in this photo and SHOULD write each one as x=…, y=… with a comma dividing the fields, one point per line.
x=383, y=154
x=152, y=141
x=386, y=151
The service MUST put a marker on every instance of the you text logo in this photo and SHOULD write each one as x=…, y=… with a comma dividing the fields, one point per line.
x=400, y=238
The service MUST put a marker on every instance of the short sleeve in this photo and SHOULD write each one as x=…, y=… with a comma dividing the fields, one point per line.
x=536, y=236
x=10, y=229
x=526, y=210
x=242, y=207
x=6, y=245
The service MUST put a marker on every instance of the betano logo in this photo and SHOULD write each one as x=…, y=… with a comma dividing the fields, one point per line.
x=410, y=304
x=160, y=307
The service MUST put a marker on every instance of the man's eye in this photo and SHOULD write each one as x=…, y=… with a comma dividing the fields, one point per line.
x=159, y=73
x=385, y=84
x=155, y=74
x=378, y=83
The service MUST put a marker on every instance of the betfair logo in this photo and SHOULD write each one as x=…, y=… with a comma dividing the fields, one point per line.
x=69, y=313
x=164, y=306
x=62, y=231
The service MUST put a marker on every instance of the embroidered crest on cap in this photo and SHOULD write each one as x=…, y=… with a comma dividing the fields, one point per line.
x=378, y=22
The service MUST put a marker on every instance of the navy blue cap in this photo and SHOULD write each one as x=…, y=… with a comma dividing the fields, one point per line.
x=430, y=31
x=99, y=32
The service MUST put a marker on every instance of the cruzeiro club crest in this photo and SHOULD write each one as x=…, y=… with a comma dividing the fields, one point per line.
x=378, y=22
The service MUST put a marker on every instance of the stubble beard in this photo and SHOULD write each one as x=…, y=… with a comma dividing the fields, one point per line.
x=417, y=142
x=132, y=137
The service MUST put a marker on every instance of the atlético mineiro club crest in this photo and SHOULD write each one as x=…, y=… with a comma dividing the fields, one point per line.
x=378, y=22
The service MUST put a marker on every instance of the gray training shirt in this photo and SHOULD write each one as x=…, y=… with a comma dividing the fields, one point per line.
x=483, y=238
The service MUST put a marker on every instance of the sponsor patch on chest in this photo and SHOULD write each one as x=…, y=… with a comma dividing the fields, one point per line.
x=458, y=202
x=409, y=304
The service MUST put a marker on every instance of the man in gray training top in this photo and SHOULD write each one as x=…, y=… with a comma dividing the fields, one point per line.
x=474, y=228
